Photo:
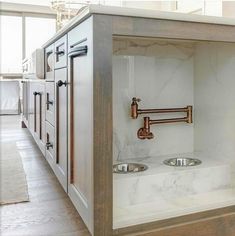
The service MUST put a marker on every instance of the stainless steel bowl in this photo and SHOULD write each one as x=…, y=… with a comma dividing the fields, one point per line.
x=182, y=162
x=126, y=168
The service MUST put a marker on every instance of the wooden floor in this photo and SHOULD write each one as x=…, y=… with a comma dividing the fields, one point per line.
x=49, y=212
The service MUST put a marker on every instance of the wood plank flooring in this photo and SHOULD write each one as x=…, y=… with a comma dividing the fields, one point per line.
x=50, y=211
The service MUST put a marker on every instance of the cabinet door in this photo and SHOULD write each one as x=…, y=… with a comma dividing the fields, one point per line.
x=25, y=101
x=37, y=113
x=80, y=87
x=49, y=63
x=61, y=163
x=31, y=107
x=50, y=145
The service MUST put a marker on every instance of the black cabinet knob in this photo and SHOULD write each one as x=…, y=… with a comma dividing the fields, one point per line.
x=36, y=93
x=49, y=145
x=61, y=83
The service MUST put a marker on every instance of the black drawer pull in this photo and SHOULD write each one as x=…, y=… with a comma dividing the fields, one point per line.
x=49, y=145
x=60, y=52
x=78, y=51
x=49, y=103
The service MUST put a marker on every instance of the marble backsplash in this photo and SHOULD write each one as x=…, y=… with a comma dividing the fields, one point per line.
x=161, y=81
x=214, y=100
x=168, y=74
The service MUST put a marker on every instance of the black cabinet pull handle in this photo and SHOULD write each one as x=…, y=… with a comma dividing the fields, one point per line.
x=35, y=111
x=49, y=103
x=36, y=93
x=49, y=52
x=40, y=113
x=58, y=85
x=60, y=52
x=78, y=51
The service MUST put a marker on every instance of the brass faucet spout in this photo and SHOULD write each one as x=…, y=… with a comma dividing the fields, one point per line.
x=145, y=133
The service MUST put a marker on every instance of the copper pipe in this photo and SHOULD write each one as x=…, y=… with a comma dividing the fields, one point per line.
x=135, y=111
x=187, y=119
x=190, y=114
x=144, y=132
x=167, y=121
x=166, y=110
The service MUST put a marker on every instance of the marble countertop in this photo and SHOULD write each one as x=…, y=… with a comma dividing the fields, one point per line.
x=142, y=13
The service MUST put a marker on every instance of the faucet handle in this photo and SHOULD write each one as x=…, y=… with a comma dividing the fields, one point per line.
x=134, y=107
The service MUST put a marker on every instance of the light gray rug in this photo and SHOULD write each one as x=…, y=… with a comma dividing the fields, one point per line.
x=13, y=184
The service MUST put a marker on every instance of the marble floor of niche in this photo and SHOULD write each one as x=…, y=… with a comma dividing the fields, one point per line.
x=153, y=211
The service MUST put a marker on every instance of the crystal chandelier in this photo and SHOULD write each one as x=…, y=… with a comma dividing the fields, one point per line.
x=66, y=9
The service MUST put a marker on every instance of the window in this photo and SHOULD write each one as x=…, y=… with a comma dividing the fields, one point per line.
x=15, y=45
x=10, y=44
x=38, y=31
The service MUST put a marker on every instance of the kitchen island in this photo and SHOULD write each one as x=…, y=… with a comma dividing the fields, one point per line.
x=81, y=115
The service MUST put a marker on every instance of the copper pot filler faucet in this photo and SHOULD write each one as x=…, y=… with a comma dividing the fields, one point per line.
x=144, y=132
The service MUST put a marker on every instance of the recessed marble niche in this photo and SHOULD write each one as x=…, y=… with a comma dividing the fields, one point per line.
x=166, y=74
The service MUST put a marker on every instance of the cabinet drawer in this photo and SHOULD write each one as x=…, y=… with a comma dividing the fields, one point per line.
x=79, y=35
x=50, y=102
x=61, y=52
x=50, y=144
x=49, y=63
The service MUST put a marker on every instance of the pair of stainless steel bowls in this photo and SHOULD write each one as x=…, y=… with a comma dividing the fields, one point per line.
x=126, y=168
